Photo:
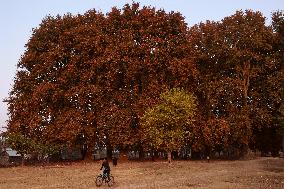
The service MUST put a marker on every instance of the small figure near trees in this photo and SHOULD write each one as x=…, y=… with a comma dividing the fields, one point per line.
x=106, y=167
x=115, y=155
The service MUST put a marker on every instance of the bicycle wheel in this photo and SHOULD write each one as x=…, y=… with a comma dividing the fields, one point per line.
x=99, y=180
x=111, y=181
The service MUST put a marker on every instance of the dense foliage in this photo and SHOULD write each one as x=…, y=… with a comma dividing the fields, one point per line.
x=88, y=79
x=169, y=125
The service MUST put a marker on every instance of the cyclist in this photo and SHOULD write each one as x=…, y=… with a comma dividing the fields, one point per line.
x=106, y=167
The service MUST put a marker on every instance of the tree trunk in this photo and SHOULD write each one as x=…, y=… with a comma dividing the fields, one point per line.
x=246, y=81
x=23, y=160
x=282, y=143
x=169, y=157
x=153, y=155
x=48, y=160
x=244, y=150
x=141, y=154
x=88, y=155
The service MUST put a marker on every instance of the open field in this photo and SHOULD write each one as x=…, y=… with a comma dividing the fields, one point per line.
x=258, y=173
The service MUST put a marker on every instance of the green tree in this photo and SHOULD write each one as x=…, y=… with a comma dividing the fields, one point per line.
x=167, y=125
x=45, y=150
x=22, y=144
x=29, y=146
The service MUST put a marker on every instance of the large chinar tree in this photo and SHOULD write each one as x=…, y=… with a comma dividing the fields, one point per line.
x=53, y=98
x=269, y=138
x=278, y=76
x=147, y=53
x=250, y=50
x=86, y=79
x=213, y=89
x=234, y=57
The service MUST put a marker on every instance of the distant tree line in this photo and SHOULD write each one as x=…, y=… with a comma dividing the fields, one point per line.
x=139, y=77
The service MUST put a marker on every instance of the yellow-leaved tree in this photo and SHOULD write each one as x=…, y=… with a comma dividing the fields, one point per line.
x=167, y=125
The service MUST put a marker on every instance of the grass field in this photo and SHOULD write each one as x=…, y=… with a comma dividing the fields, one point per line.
x=257, y=173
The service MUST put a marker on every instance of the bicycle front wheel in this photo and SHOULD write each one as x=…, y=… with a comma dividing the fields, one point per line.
x=99, y=180
x=111, y=181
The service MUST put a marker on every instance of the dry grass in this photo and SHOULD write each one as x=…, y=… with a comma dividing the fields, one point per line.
x=258, y=173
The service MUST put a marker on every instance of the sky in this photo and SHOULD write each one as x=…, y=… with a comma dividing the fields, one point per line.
x=19, y=17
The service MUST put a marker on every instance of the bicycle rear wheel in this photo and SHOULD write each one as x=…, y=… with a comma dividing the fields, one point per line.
x=99, y=180
x=111, y=181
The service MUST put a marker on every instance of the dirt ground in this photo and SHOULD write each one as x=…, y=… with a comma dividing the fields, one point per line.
x=257, y=173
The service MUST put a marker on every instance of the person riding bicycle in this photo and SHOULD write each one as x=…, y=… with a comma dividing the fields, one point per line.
x=106, y=167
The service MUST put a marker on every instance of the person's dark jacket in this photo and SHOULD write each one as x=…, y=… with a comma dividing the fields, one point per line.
x=105, y=165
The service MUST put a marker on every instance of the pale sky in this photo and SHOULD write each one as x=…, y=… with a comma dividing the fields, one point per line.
x=18, y=17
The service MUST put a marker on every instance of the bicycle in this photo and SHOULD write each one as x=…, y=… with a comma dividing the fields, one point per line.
x=102, y=178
